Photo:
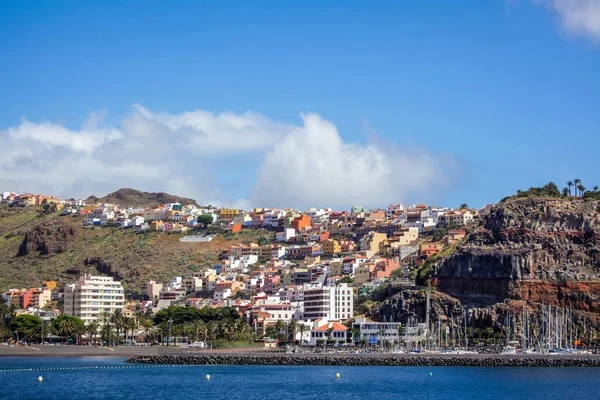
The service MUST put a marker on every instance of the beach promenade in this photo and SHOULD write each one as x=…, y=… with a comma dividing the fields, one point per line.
x=75, y=351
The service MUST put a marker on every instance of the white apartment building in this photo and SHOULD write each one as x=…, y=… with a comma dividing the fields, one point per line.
x=376, y=332
x=333, y=303
x=91, y=296
x=292, y=293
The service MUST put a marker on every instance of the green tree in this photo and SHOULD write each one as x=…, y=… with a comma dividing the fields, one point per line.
x=91, y=329
x=118, y=319
x=26, y=324
x=281, y=326
x=106, y=327
x=328, y=334
x=463, y=206
x=6, y=310
x=346, y=279
x=68, y=326
x=292, y=328
x=569, y=184
x=205, y=220
x=198, y=330
x=581, y=189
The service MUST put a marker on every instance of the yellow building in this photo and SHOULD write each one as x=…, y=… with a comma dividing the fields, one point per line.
x=363, y=272
x=372, y=240
x=228, y=213
x=156, y=224
x=335, y=268
x=331, y=247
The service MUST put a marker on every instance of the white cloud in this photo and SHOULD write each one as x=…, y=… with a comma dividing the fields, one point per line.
x=53, y=135
x=208, y=133
x=577, y=17
x=313, y=165
x=190, y=154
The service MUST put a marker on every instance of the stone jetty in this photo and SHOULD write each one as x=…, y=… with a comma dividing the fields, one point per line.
x=395, y=360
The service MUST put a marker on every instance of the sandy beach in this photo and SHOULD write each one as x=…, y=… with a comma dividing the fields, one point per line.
x=76, y=351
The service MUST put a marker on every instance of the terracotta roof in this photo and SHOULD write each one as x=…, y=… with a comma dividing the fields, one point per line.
x=335, y=325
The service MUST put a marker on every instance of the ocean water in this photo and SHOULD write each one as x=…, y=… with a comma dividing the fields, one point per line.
x=105, y=378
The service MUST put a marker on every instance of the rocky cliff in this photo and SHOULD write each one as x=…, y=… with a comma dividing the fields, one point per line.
x=541, y=250
x=529, y=251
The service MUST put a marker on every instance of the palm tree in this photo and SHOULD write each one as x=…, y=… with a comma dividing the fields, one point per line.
x=91, y=328
x=79, y=332
x=279, y=326
x=129, y=324
x=565, y=192
x=302, y=329
x=117, y=318
x=212, y=330
x=147, y=325
x=595, y=188
x=569, y=184
x=581, y=189
x=150, y=335
x=198, y=329
x=5, y=310
x=163, y=329
x=576, y=183
x=67, y=327
x=35, y=333
x=463, y=206
x=242, y=328
x=106, y=327
x=328, y=334
x=292, y=327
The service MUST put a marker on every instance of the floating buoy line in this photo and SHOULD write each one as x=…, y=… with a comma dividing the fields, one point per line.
x=97, y=367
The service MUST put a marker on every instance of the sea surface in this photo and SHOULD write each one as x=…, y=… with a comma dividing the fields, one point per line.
x=110, y=378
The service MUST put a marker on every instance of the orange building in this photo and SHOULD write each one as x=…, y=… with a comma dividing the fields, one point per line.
x=301, y=222
x=234, y=228
x=384, y=268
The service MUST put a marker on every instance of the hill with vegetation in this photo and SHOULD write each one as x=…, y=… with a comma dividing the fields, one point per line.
x=136, y=198
x=36, y=246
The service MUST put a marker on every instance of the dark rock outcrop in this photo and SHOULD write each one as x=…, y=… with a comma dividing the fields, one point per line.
x=103, y=267
x=534, y=249
x=47, y=238
x=529, y=253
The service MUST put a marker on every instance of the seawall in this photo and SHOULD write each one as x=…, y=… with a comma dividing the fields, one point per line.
x=395, y=360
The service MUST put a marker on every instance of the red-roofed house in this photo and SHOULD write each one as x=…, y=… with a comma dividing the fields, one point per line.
x=333, y=331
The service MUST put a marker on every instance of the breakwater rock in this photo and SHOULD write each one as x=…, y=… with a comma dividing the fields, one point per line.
x=382, y=360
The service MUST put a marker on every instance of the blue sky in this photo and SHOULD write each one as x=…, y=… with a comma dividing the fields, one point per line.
x=481, y=98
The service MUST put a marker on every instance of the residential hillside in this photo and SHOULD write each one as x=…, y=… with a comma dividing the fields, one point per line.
x=35, y=247
x=135, y=198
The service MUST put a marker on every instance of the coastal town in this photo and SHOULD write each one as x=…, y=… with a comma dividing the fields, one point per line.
x=300, y=286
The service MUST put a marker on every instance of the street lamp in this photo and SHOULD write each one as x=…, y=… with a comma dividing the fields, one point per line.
x=170, y=326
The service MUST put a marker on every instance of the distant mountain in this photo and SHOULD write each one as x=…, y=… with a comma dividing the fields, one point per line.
x=132, y=197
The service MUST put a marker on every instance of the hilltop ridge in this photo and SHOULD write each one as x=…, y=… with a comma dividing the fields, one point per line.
x=132, y=197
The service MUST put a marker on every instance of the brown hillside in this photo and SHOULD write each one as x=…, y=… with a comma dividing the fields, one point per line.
x=35, y=247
